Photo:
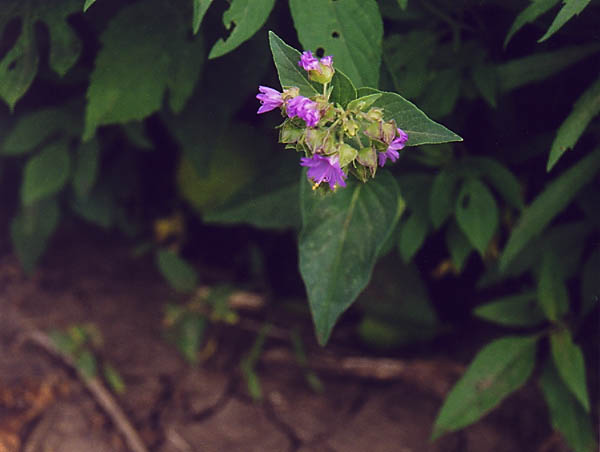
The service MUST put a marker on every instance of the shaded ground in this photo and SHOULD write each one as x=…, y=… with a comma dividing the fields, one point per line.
x=175, y=407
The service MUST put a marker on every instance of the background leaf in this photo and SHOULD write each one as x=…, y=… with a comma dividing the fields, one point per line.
x=86, y=167
x=477, y=213
x=568, y=360
x=248, y=16
x=569, y=9
x=584, y=110
x=87, y=4
x=535, y=9
x=519, y=310
x=458, y=244
x=500, y=368
x=557, y=195
x=350, y=30
x=566, y=413
x=180, y=275
x=341, y=235
x=45, y=173
x=590, y=283
x=552, y=291
x=200, y=8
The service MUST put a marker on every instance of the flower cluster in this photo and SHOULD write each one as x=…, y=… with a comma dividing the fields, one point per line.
x=336, y=141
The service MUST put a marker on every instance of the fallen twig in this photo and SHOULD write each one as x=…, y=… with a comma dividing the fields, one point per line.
x=98, y=391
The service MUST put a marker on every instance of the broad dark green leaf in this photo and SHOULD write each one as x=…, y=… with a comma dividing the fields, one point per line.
x=343, y=90
x=442, y=199
x=566, y=413
x=136, y=135
x=85, y=171
x=514, y=310
x=568, y=360
x=246, y=16
x=45, y=173
x=499, y=368
x=552, y=290
x=33, y=129
x=486, y=81
x=477, y=213
x=341, y=236
x=420, y=129
x=200, y=8
x=540, y=66
x=98, y=207
x=458, y=244
x=590, y=283
x=584, y=110
x=550, y=203
x=180, y=275
x=569, y=9
x=441, y=94
x=31, y=229
x=286, y=62
x=414, y=188
x=350, y=30
x=505, y=182
x=535, y=9
x=87, y=4
x=145, y=51
x=19, y=65
x=413, y=232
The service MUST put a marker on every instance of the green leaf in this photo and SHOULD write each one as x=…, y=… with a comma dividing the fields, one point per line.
x=540, y=66
x=363, y=103
x=268, y=202
x=87, y=4
x=441, y=94
x=584, y=110
x=590, y=283
x=566, y=413
x=550, y=203
x=459, y=245
x=180, y=275
x=136, y=135
x=200, y=8
x=45, y=173
x=113, y=378
x=514, y=310
x=86, y=167
x=33, y=129
x=569, y=9
x=19, y=65
x=477, y=213
x=500, y=368
x=552, y=291
x=145, y=51
x=286, y=62
x=420, y=129
x=97, y=207
x=505, y=182
x=343, y=90
x=486, y=81
x=403, y=4
x=412, y=235
x=414, y=188
x=248, y=16
x=442, y=199
x=568, y=359
x=350, y=30
x=86, y=364
x=31, y=229
x=190, y=336
x=337, y=254
x=528, y=15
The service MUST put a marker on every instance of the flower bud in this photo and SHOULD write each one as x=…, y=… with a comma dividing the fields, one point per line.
x=375, y=114
x=289, y=132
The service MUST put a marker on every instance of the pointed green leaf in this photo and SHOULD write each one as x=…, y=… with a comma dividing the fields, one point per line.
x=19, y=65
x=590, y=283
x=535, y=9
x=568, y=360
x=442, y=199
x=486, y=81
x=286, y=62
x=505, y=182
x=566, y=413
x=403, y=4
x=247, y=16
x=45, y=173
x=442, y=93
x=86, y=167
x=552, y=291
x=414, y=188
x=550, y=203
x=145, y=50
x=200, y=8
x=180, y=275
x=113, y=378
x=420, y=129
x=540, y=66
x=584, y=110
x=350, y=30
x=31, y=229
x=87, y=4
x=477, y=213
x=569, y=9
x=500, y=368
x=98, y=207
x=514, y=310
x=337, y=255
x=459, y=245
x=363, y=103
x=343, y=90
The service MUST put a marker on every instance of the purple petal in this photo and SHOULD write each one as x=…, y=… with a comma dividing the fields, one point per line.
x=270, y=99
x=308, y=62
x=324, y=169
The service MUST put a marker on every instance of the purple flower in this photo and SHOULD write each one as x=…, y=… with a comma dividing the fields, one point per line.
x=308, y=62
x=269, y=98
x=305, y=109
x=392, y=151
x=326, y=169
